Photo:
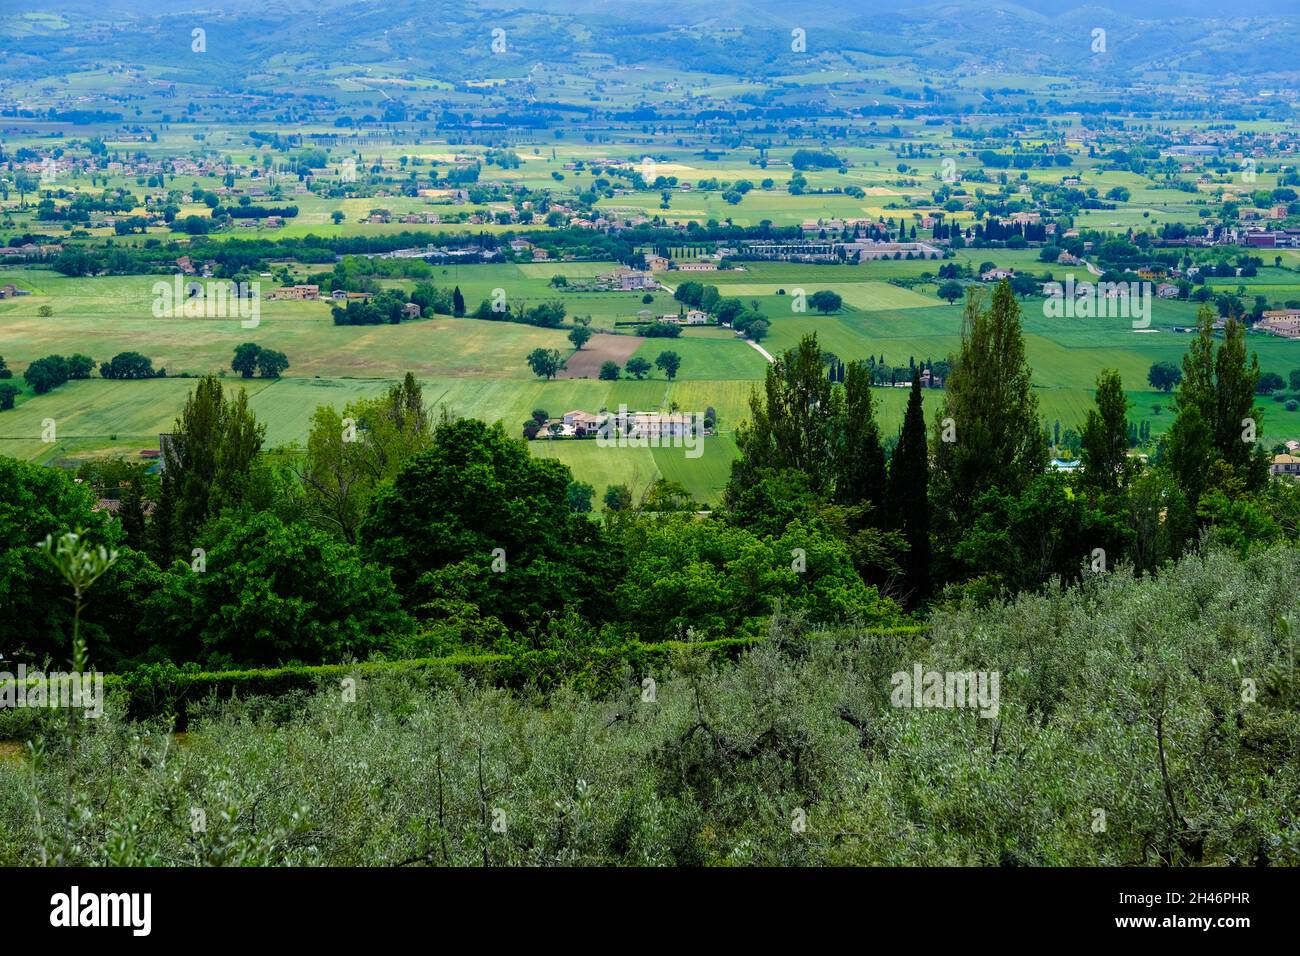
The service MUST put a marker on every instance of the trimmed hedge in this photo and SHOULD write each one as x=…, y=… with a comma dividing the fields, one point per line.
x=166, y=689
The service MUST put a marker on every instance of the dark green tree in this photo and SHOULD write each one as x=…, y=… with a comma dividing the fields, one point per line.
x=1217, y=418
x=579, y=335
x=668, y=363
x=1164, y=376
x=825, y=301
x=987, y=433
x=46, y=373
x=80, y=366
x=638, y=367
x=477, y=512
x=127, y=365
x=907, y=501
x=274, y=593
x=545, y=363
x=579, y=495
x=131, y=512
x=793, y=424
x=245, y=360
x=1019, y=541
x=271, y=363
x=618, y=498
x=207, y=463
x=1104, y=449
x=859, y=453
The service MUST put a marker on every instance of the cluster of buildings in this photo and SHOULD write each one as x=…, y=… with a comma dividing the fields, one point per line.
x=436, y=253
x=187, y=267
x=628, y=280
x=300, y=292
x=860, y=250
x=30, y=250
x=648, y=425
x=657, y=263
x=1274, y=239
x=383, y=216
x=1276, y=211
x=690, y=317
x=818, y=227
x=141, y=165
x=1283, y=322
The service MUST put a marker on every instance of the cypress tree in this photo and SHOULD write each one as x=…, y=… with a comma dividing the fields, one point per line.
x=792, y=424
x=860, y=456
x=131, y=513
x=907, y=502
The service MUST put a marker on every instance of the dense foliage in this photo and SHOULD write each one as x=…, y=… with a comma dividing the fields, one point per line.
x=1122, y=702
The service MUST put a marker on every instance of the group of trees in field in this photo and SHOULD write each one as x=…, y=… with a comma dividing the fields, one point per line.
x=129, y=366
x=48, y=373
x=546, y=315
x=252, y=359
x=638, y=368
x=659, y=330
x=746, y=319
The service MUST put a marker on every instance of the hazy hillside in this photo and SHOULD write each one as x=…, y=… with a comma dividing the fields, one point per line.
x=730, y=37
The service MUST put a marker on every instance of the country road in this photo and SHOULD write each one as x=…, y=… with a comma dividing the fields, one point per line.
x=762, y=351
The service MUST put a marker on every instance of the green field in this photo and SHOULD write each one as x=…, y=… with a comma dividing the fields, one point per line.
x=476, y=369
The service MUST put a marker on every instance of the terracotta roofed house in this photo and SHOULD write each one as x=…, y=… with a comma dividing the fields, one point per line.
x=1285, y=465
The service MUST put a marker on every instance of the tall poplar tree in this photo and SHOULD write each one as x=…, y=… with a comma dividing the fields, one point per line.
x=987, y=433
x=1217, y=418
x=206, y=463
x=1104, y=451
x=792, y=424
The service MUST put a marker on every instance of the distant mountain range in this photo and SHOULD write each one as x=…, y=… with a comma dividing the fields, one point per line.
x=449, y=38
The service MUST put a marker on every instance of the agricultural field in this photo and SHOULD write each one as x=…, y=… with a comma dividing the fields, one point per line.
x=477, y=369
